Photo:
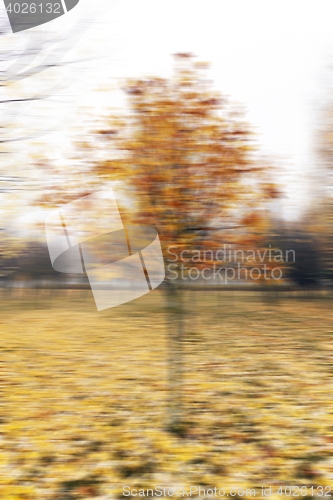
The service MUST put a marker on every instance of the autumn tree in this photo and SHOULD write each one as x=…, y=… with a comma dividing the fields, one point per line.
x=185, y=156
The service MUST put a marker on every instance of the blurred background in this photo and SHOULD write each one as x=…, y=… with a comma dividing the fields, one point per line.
x=212, y=123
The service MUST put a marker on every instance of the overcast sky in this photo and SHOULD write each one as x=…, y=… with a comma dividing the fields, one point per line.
x=273, y=57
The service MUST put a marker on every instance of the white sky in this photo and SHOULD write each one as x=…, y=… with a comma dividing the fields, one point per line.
x=274, y=57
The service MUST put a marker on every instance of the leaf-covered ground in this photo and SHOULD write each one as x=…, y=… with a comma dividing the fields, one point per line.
x=84, y=394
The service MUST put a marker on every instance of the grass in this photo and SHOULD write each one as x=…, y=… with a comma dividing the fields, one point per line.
x=85, y=394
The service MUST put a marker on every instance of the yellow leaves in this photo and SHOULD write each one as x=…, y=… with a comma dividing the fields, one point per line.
x=13, y=427
x=91, y=396
x=18, y=492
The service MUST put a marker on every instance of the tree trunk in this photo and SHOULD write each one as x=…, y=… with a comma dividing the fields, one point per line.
x=175, y=320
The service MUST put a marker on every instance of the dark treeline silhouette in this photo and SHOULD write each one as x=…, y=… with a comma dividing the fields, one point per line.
x=31, y=262
x=307, y=271
x=312, y=266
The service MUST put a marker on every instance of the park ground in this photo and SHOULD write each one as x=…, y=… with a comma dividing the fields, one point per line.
x=85, y=394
